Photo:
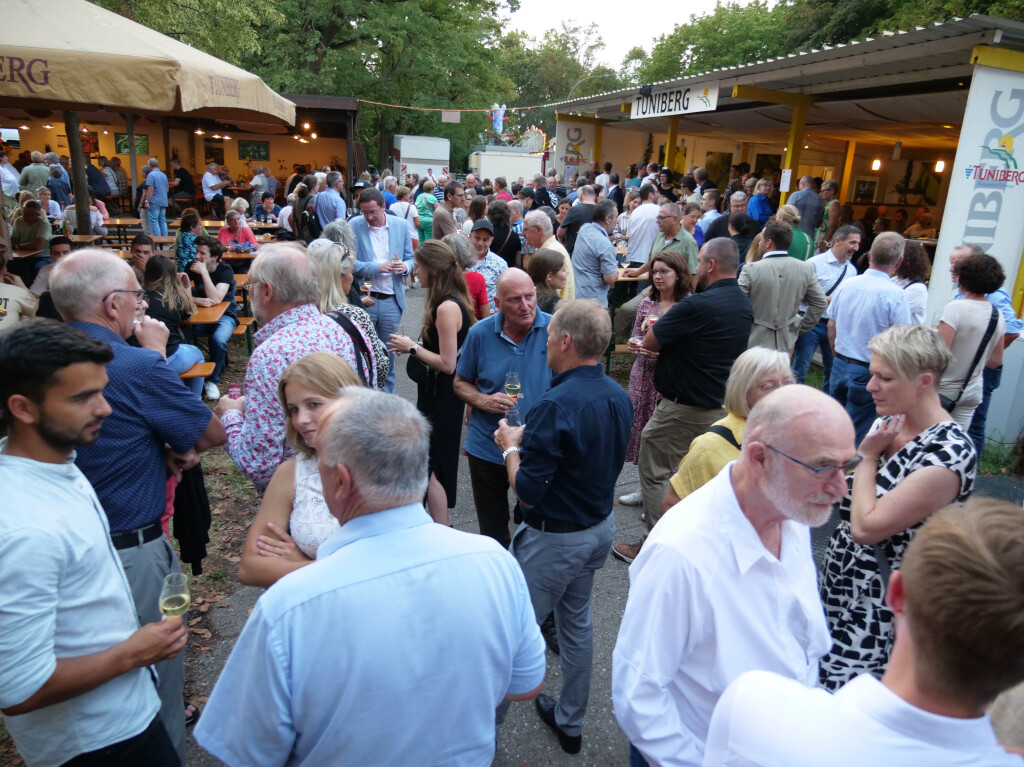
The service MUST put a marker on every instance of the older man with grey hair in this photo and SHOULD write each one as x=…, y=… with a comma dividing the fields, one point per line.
x=329, y=204
x=155, y=200
x=156, y=424
x=213, y=187
x=444, y=621
x=539, y=232
x=283, y=292
x=720, y=226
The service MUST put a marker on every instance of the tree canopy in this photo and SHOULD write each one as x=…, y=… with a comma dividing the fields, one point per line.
x=455, y=54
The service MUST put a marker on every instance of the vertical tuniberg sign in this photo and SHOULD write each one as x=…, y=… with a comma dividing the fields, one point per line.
x=675, y=100
x=986, y=191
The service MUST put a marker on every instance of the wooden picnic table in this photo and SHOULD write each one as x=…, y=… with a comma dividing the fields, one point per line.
x=254, y=225
x=85, y=239
x=122, y=224
x=208, y=224
x=25, y=252
x=207, y=315
x=163, y=239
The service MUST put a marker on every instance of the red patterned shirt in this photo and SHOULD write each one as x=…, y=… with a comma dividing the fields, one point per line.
x=256, y=440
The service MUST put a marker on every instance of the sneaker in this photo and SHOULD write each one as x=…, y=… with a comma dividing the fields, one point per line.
x=631, y=499
x=627, y=552
x=210, y=390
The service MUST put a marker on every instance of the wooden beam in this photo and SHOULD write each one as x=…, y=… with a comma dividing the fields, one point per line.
x=794, y=147
x=771, y=96
x=670, y=141
x=997, y=58
x=579, y=119
x=844, y=187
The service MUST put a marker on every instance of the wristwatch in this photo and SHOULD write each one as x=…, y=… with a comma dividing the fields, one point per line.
x=415, y=348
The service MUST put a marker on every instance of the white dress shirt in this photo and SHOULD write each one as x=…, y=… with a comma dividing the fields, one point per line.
x=643, y=230
x=381, y=242
x=764, y=720
x=707, y=601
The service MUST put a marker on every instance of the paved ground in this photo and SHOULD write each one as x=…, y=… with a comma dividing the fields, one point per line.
x=523, y=739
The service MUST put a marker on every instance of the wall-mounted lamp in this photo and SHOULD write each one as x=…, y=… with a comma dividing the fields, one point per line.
x=940, y=166
x=876, y=165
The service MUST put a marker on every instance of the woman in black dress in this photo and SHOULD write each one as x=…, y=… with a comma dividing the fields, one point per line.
x=432, y=365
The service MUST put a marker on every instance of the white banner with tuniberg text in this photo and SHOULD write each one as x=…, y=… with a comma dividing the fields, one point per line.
x=986, y=191
x=676, y=100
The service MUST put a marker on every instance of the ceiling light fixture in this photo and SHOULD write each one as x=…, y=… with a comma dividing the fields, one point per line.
x=940, y=166
x=48, y=126
x=876, y=165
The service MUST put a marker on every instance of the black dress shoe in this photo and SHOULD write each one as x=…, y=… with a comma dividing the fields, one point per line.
x=571, y=744
x=550, y=633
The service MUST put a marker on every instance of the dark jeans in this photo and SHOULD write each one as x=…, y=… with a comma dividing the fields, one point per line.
x=151, y=747
x=636, y=759
x=850, y=387
x=490, y=496
x=990, y=379
x=803, y=353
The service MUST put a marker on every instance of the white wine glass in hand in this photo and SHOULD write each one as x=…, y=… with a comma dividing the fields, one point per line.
x=512, y=387
x=174, y=596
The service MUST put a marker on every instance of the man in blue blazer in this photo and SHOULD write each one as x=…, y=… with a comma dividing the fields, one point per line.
x=384, y=255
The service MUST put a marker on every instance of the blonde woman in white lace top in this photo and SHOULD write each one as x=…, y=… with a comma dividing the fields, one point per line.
x=293, y=519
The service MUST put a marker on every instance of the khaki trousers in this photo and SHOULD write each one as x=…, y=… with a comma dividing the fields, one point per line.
x=664, y=442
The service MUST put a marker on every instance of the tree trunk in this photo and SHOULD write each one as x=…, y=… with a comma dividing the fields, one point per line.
x=79, y=181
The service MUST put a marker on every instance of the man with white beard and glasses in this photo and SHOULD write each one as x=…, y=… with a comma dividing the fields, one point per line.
x=726, y=583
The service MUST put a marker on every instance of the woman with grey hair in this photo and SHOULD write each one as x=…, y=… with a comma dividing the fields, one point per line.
x=332, y=266
x=475, y=282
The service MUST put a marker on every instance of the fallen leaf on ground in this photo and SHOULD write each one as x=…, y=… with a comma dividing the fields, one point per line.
x=204, y=633
x=194, y=621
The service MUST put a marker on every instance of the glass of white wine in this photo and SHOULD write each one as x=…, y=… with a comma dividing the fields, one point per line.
x=512, y=387
x=174, y=596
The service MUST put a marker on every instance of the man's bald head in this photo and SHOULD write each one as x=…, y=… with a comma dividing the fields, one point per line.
x=782, y=417
x=512, y=279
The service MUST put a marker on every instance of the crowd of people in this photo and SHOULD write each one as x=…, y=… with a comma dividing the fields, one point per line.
x=377, y=610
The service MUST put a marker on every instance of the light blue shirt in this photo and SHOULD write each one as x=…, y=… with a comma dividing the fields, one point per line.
x=393, y=648
x=1001, y=300
x=593, y=257
x=158, y=180
x=486, y=356
x=862, y=308
x=329, y=206
x=63, y=594
x=827, y=270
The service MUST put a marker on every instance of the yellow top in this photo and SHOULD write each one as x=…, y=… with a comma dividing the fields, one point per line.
x=709, y=453
x=569, y=291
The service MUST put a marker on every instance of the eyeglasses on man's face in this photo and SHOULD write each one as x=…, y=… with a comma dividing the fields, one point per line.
x=825, y=472
x=140, y=295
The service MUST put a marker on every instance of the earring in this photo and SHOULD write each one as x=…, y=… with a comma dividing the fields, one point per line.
x=920, y=392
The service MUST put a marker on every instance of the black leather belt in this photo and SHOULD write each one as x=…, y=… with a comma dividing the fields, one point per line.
x=677, y=400
x=128, y=539
x=851, y=360
x=375, y=294
x=556, y=526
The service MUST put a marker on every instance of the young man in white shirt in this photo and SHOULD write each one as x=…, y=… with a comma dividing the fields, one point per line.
x=725, y=582
x=957, y=599
x=74, y=682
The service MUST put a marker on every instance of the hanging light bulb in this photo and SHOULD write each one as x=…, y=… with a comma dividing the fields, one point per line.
x=200, y=132
x=312, y=135
x=305, y=126
x=84, y=130
x=876, y=164
x=23, y=127
x=48, y=126
x=940, y=166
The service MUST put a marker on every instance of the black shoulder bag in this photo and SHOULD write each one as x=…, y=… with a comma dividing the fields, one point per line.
x=364, y=358
x=949, y=404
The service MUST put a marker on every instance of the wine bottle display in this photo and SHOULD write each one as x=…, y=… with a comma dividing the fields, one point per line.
x=175, y=605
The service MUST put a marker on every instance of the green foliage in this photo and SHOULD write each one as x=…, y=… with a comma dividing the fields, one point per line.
x=732, y=34
x=544, y=71
x=223, y=28
x=424, y=53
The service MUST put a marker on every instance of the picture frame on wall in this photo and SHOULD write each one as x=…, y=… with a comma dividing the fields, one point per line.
x=254, y=150
x=717, y=165
x=90, y=143
x=121, y=145
x=865, y=189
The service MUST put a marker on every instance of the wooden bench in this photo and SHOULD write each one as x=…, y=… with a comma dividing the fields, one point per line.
x=244, y=328
x=199, y=370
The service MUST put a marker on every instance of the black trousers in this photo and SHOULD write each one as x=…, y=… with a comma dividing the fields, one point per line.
x=152, y=747
x=490, y=496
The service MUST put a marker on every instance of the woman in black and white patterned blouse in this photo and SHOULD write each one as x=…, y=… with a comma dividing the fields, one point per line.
x=916, y=461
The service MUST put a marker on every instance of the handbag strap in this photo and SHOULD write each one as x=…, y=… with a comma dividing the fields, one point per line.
x=835, y=284
x=725, y=434
x=363, y=351
x=977, y=355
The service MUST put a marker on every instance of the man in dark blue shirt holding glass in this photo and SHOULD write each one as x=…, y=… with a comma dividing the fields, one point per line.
x=563, y=465
x=156, y=424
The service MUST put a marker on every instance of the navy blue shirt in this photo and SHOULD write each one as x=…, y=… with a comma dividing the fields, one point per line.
x=151, y=407
x=700, y=337
x=574, y=446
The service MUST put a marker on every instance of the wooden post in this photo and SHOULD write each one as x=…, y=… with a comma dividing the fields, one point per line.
x=133, y=165
x=79, y=181
x=795, y=147
x=844, y=187
x=670, y=142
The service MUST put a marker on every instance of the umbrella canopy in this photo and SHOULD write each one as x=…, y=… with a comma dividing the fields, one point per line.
x=96, y=58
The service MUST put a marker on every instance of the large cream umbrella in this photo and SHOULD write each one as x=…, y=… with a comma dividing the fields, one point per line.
x=94, y=59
